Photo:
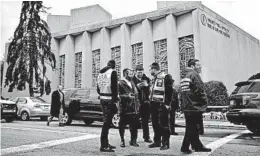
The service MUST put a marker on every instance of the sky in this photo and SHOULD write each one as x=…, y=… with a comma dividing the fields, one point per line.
x=243, y=13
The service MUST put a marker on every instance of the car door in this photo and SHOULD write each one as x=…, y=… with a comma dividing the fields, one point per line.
x=22, y=105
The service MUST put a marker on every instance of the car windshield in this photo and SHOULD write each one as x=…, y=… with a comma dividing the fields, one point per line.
x=241, y=88
x=65, y=92
x=254, y=87
x=82, y=93
x=35, y=99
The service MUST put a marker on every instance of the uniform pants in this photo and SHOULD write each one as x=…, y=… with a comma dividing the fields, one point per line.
x=164, y=122
x=172, y=121
x=155, y=108
x=145, y=116
x=191, y=132
x=109, y=109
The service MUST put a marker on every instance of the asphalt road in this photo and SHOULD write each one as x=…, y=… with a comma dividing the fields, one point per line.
x=34, y=138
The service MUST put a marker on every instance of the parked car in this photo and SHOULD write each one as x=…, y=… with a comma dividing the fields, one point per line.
x=32, y=107
x=8, y=110
x=84, y=104
x=245, y=105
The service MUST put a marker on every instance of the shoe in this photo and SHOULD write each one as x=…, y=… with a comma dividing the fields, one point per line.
x=133, y=144
x=106, y=149
x=48, y=123
x=148, y=140
x=164, y=147
x=203, y=149
x=174, y=133
x=186, y=151
x=153, y=145
x=122, y=144
x=111, y=147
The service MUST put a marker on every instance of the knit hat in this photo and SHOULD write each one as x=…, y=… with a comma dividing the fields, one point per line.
x=155, y=65
x=112, y=64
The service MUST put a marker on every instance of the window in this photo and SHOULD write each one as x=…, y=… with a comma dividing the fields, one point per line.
x=78, y=69
x=186, y=51
x=82, y=93
x=62, y=70
x=95, y=66
x=160, y=48
x=116, y=55
x=22, y=101
x=254, y=87
x=137, y=55
x=34, y=99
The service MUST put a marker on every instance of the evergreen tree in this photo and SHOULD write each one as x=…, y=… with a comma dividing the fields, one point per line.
x=30, y=51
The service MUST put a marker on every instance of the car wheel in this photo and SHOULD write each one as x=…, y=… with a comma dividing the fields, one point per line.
x=44, y=118
x=88, y=122
x=9, y=119
x=25, y=116
x=115, y=120
x=66, y=119
x=254, y=129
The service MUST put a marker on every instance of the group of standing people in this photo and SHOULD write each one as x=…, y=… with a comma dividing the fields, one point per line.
x=135, y=97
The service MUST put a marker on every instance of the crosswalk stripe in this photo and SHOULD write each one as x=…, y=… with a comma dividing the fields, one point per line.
x=45, y=130
x=46, y=144
x=218, y=143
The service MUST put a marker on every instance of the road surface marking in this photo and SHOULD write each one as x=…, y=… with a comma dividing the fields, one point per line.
x=46, y=144
x=46, y=130
x=218, y=143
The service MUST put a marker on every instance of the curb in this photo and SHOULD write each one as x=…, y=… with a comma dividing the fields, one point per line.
x=217, y=126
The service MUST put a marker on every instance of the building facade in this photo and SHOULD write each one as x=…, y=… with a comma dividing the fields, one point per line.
x=87, y=39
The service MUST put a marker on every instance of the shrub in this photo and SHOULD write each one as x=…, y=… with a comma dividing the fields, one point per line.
x=217, y=93
x=256, y=76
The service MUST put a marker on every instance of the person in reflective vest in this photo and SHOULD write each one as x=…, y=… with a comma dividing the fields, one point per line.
x=193, y=103
x=160, y=98
x=107, y=88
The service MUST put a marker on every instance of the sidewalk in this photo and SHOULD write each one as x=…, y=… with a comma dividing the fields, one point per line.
x=214, y=124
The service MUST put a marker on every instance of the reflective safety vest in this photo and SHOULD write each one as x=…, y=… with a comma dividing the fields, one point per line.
x=104, y=84
x=185, y=84
x=158, y=89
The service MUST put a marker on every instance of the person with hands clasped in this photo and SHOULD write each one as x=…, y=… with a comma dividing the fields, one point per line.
x=128, y=108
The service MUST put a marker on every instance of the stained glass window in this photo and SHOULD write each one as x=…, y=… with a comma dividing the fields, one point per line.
x=78, y=69
x=62, y=70
x=116, y=55
x=187, y=52
x=95, y=66
x=160, y=48
x=137, y=55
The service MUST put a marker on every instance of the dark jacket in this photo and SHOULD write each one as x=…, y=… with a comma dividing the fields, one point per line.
x=114, y=84
x=127, y=104
x=143, y=91
x=194, y=99
x=56, y=104
x=175, y=101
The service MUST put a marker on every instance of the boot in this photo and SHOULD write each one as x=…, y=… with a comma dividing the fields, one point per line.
x=122, y=144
